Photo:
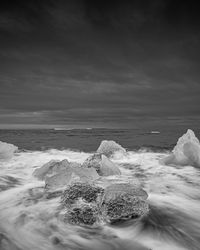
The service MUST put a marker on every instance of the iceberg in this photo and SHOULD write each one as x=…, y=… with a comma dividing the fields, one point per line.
x=53, y=167
x=102, y=164
x=88, y=204
x=93, y=161
x=108, y=168
x=7, y=150
x=186, y=151
x=110, y=147
x=70, y=175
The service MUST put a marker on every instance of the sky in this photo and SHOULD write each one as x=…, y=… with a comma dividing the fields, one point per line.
x=98, y=63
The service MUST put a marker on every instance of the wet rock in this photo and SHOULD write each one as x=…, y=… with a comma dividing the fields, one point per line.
x=102, y=164
x=115, y=190
x=124, y=207
x=109, y=147
x=86, y=214
x=87, y=192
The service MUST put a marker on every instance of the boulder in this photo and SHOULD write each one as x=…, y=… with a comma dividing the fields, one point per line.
x=109, y=147
x=124, y=207
x=7, y=150
x=186, y=151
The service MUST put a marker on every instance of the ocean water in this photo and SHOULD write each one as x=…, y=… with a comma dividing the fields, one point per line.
x=28, y=221
x=88, y=140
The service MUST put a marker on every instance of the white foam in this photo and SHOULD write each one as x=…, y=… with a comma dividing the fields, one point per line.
x=167, y=186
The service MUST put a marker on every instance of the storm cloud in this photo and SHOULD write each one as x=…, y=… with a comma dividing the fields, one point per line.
x=99, y=63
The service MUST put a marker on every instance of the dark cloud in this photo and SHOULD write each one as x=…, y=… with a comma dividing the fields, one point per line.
x=99, y=63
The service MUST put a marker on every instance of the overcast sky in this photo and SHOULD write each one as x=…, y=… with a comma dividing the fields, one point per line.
x=99, y=63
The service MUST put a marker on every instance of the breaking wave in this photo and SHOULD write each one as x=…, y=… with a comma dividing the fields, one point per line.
x=30, y=221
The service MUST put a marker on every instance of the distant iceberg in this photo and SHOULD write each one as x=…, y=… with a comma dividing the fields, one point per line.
x=7, y=150
x=62, y=129
x=110, y=147
x=186, y=151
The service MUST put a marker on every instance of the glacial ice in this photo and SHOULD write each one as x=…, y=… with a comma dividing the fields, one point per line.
x=102, y=164
x=109, y=147
x=53, y=167
x=186, y=151
x=93, y=161
x=108, y=168
x=7, y=150
x=70, y=175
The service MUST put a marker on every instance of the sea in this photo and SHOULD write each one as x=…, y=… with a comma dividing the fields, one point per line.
x=29, y=222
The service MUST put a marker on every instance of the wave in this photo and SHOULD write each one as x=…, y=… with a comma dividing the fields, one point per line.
x=30, y=220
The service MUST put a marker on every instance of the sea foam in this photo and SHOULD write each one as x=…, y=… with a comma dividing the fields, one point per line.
x=30, y=221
